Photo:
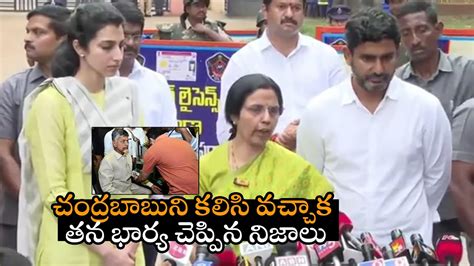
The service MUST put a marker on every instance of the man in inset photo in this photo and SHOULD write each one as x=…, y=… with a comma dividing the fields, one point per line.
x=115, y=172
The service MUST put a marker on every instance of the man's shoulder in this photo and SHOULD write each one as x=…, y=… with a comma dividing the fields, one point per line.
x=109, y=157
x=460, y=59
x=151, y=74
x=462, y=63
x=16, y=79
x=329, y=98
x=417, y=95
x=248, y=50
x=400, y=71
x=318, y=46
x=122, y=82
x=465, y=108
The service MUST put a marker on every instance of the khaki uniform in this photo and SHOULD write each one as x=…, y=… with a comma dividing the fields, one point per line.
x=183, y=31
x=145, y=7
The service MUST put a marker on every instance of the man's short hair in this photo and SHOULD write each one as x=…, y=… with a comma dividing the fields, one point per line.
x=155, y=132
x=267, y=2
x=130, y=12
x=371, y=25
x=58, y=16
x=119, y=132
x=419, y=6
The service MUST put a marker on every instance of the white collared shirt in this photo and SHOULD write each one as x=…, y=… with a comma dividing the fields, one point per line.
x=390, y=169
x=311, y=68
x=155, y=97
x=115, y=172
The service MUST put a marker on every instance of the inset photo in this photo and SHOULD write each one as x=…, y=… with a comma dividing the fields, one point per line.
x=145, y=160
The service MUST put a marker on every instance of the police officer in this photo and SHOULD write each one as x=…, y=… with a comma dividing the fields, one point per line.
x=338, y=15
x=194, y=25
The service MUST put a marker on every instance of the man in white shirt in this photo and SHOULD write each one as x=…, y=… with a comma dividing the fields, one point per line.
x=115, y=172
x=302, y=66
x=385, y=144
x=132, y=143
x=154, y=93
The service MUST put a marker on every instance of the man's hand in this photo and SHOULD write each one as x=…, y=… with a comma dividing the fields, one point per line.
x=140, y=178
x=9, y=168
x=156, y=189
x=200, y=28
x=288, y=137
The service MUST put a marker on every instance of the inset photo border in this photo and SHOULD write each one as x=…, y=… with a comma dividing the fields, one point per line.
x=145, y=160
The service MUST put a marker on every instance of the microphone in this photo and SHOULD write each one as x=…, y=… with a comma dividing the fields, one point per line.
x=256, y=254
x=399, y=246
x=287, y=249
x=345, y=228
x=309, y=251
x=392, y=262
x=367, y=238
x=422, y=254
x=368, y=252
x=178, y=254
x=331, y=251
x=287, y=255
x=241, y=261
x=387, y=253
x=449, y=249
x=295, y=260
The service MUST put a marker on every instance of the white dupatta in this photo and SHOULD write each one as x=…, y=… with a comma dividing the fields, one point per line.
x=121, y=109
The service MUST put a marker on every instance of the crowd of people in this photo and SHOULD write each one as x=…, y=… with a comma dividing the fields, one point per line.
x=395, y=144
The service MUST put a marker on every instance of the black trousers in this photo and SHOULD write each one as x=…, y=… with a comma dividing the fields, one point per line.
x=159, y=6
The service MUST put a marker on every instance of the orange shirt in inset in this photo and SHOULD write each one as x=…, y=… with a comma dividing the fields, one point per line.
x=177, y=163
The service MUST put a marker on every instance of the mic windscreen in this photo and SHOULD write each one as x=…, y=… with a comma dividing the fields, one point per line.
x=449, y=248
x=345, y=224
x=227, y=257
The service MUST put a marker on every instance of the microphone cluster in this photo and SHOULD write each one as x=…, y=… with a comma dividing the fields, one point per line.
x=349, y=250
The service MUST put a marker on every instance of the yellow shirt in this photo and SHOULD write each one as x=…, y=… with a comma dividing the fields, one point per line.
x=56, y=156
x=99, y=98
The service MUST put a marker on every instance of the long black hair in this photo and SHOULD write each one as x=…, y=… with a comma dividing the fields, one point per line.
x=84, y=24
x=243, y=88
